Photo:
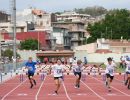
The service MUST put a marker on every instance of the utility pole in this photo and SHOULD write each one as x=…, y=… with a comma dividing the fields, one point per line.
x=106, y=36
x=14, y=33
x=111, y=33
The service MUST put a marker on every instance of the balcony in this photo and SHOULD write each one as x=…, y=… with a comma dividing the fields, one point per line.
x=75, y=39
x=67, y=35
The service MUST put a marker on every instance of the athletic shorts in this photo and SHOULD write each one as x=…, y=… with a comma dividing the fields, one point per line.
x=127, y=72
x=109, y=76
x=57, y=78
x=78, y=73
x=70, y=63
x=30, y=74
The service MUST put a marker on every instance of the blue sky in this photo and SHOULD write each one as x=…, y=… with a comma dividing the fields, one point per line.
x=61, y=5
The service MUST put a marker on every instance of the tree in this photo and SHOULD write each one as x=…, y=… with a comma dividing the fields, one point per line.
x=30, y=44
x=115, y=25
x=9, y=53
x=93, y=11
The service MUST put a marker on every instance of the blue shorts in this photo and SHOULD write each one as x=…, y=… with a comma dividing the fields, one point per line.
x=30, y=74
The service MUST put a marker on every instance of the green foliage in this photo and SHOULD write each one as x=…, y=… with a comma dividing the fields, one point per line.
x=29, y=44
x=115, y=25
x=9, y=53
x=93, y=11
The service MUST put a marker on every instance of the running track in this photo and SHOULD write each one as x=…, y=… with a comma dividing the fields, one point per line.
x=91, y=89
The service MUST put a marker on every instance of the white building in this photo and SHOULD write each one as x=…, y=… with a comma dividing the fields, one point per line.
x=73, y=17
x=21, y=26
x=102, y=44
x=63, y=38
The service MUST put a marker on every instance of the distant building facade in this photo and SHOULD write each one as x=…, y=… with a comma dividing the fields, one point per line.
x=73, y=17
x=41, y=36
x=63, y=38
x=106, y=46
x=76, y=31
x=4, y=17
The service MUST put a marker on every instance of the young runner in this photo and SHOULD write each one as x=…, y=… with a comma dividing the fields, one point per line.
x=77, y=69
x=127, y=83
x=58, y=70
x=30, y=65
x=110, y=67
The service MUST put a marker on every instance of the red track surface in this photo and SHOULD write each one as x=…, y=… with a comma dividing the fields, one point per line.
x=91, y=89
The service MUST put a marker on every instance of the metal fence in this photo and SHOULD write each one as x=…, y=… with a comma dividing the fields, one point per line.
x=5, y=68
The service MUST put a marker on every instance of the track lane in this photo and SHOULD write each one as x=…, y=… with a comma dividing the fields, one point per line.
x=79, y=94
x=47, y=91
x=23, y=92
x=116, y=92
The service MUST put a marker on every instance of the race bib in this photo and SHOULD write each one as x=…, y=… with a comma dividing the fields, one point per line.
x=30, y=68
x=59, y=71
x=77, y=70
x=111, y=71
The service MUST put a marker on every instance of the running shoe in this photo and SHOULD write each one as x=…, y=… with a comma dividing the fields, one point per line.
x=55, y=93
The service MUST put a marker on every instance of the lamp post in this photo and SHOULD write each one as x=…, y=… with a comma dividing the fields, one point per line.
x=14, y=34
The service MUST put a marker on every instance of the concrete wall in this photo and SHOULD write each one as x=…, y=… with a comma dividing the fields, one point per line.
x=80, y=54
x=90, y=48
x=59, y=37
x=91, y=57
x=99, y=58
x=25, y=54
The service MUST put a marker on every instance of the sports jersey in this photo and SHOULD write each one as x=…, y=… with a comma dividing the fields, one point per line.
x=110, y=68
x=127, y=66
x=77, y=68
x=31, y=67
x=58, y=70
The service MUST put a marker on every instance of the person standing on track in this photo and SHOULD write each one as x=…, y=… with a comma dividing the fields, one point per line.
x=58, y=70
x=127, y=82
x=110, y=67
x=77, y=69
x=30, y=65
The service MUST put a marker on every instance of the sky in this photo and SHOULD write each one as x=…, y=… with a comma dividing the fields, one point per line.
x=61, y=5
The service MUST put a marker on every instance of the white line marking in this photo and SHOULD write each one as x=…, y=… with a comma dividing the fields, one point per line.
x=36, y=97
x=13, y=90
x=66, y=92
x=93, y=91
x=113, y=87
x=110, y=94
x=81, y=94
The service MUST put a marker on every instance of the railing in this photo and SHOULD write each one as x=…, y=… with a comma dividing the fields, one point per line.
x=5, y=68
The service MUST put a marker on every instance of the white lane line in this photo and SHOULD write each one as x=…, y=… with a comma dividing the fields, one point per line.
x=66, y=92
x=113, y=88
x=93, y=91
x=13, y=90
x=36, y=97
